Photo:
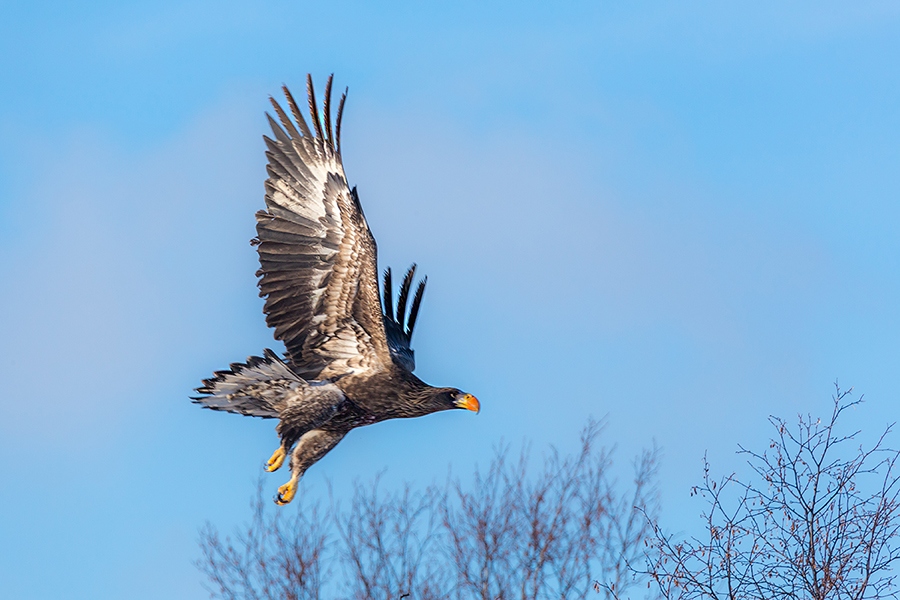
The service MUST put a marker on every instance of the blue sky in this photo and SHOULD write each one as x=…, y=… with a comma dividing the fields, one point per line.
x=683, y=216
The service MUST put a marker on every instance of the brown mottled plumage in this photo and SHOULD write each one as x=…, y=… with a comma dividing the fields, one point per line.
x=349, y=363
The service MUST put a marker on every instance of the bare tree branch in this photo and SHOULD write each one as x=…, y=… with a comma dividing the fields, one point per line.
x=515, y=532
x=818, y=520
x=274, y=556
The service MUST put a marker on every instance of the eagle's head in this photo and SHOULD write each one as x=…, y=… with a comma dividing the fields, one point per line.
x=454, y=398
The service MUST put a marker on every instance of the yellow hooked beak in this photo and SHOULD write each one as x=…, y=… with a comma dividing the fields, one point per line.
x=468, y=402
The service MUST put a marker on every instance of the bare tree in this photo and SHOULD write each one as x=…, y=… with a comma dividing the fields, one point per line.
x=818, y=520
x=515, y=532
x=551, y=535
x=390, y=544
x=274, y=556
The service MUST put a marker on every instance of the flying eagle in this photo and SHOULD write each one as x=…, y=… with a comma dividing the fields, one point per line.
x=349, y=362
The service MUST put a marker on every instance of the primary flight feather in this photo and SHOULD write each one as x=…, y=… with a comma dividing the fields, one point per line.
x=349, y=361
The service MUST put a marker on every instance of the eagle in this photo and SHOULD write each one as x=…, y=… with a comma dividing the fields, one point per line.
x=348, y=360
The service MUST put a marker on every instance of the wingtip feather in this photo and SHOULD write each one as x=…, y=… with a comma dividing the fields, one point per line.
x=313, y=108
x=414, y=310
x=388, y=294
x=326, y=108
x=404, y=293
x=340, y=115
x=296, y=112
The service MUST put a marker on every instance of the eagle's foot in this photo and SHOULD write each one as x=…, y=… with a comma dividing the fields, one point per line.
x=286, y=492
x=276, y=461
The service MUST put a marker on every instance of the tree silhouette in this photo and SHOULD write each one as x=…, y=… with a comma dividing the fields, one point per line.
x=818, y=519
x=514, y=532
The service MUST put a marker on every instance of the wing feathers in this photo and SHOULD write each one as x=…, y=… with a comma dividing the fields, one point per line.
x=296, y=226
x=285, y=121
x=326, y=108
x=388, y=294
x=298, y=116
x=397, y=325
x=404, y=294
x=280, y=135
x=316, y=253
x=414, y=311
x=339, y=115
x=314, y=109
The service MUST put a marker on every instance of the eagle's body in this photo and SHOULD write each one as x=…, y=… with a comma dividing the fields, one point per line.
x=349, y=361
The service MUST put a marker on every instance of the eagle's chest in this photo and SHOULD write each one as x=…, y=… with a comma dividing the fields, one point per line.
x=376, y=393
x=350, y=415
x=388, y=394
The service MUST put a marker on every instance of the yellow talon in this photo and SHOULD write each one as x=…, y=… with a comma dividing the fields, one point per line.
x=286, y=492
x=276, y=461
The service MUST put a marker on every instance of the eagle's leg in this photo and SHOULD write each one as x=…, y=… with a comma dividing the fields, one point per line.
x=302, y=413
x=277, y=460
x=312, y=446
x=287, y=492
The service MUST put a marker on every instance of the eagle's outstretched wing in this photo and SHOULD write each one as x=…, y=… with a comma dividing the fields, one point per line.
x=398, y=326
x=317, y=255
